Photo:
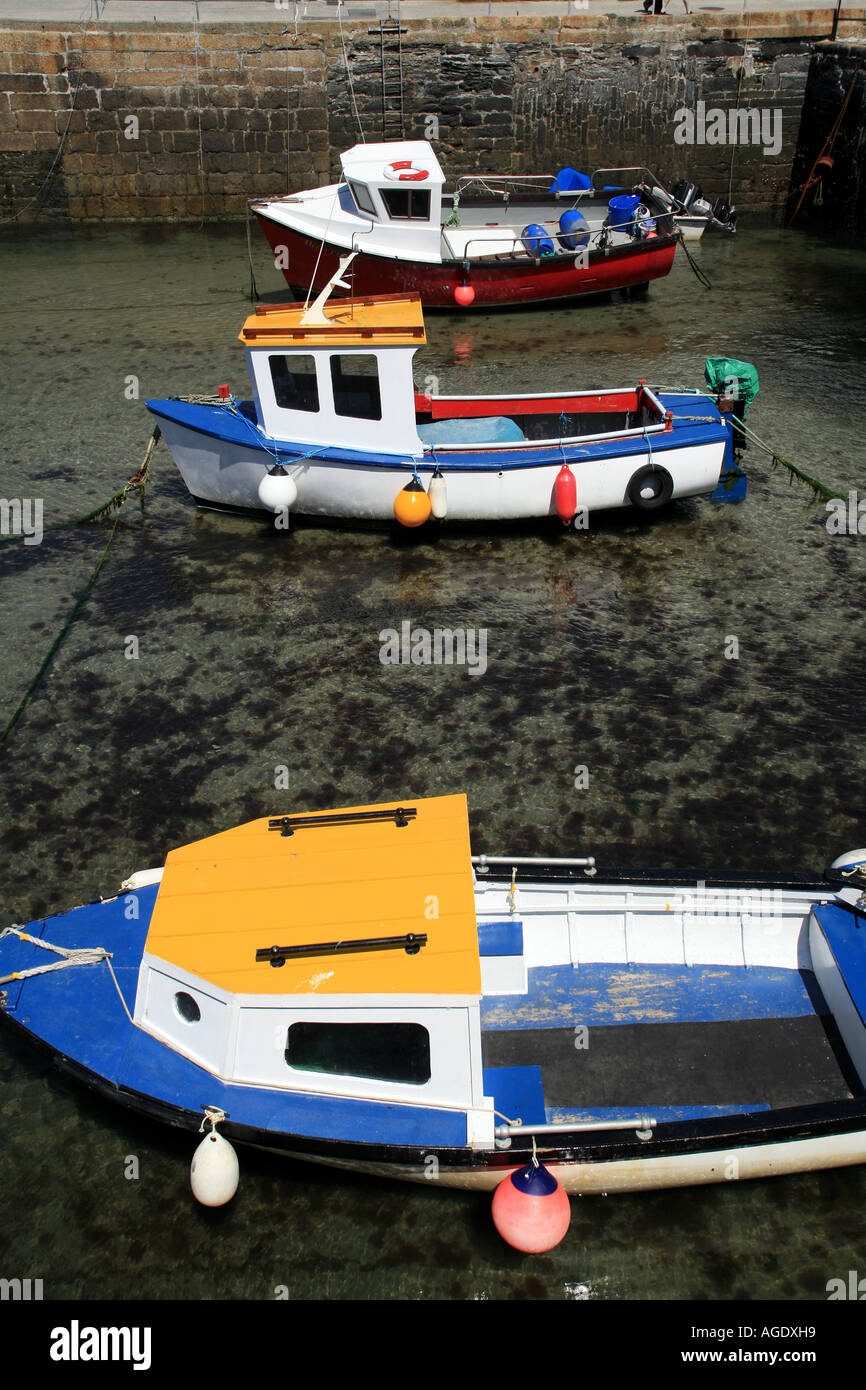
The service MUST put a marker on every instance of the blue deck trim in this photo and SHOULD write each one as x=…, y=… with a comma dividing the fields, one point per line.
x=563, y=997
x=517, y=1093
x=500, y=938
x=221, y=423
x=845, y=933
x=77, y=1012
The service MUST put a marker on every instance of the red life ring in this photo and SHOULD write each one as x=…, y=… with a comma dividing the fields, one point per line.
x=398, y=171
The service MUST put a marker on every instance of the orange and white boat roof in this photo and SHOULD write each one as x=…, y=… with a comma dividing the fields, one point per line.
x=223, y=898
x=384, y=320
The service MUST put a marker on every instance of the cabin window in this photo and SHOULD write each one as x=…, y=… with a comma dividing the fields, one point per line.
x=361, y=194
x=380, y=1051
x=407, y=202
x=294, y=380
x=186, y=1007
x=355, y=379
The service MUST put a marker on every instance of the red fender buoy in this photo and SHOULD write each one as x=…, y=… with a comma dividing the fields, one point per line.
x=565, y=495
x=464, y=295
x=531, y=1211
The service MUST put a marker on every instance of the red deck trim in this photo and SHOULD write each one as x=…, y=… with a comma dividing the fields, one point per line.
x=517, y=405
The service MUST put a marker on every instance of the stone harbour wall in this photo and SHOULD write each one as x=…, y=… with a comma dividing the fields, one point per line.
x=183, y=121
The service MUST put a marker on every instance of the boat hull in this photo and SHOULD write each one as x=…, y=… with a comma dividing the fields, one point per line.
x=497, y=282
x=503, y=486
x=823, y=1128
x=760, y=1146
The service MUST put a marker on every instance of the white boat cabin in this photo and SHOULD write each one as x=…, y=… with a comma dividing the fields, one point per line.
x=345, y=383
x=396, y=184
x=334, y=954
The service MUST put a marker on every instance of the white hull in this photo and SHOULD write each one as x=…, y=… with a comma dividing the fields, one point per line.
x=692, y=228
x=639, y=1174
x=228, y=475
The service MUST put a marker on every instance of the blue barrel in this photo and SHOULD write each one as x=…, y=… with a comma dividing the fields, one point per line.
x=621, y=211
x=536, y=240
x=573, y=229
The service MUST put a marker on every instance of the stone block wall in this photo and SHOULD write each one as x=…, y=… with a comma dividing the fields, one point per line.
x=183, y=121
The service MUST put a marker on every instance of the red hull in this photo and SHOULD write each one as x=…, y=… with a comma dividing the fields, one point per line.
x=495, y=283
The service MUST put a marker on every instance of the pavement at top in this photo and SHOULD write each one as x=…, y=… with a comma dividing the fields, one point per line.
x=117, y=13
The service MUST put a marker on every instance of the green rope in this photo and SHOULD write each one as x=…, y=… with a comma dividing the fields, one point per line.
x=31, y=689
x=137, y=482
x=818, y=488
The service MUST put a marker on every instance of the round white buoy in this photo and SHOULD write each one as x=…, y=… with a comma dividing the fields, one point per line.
x=278, y=489
x=214, y=1173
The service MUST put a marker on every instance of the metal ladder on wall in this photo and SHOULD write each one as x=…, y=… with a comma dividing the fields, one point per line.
x=391, y=64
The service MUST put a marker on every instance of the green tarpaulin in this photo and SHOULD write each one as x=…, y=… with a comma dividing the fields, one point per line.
x=728, y=377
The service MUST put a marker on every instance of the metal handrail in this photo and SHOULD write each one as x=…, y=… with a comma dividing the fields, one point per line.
x=627, y=169
x=483, y=860
x=639, y=1123
x=517, y=243
x=464, y=181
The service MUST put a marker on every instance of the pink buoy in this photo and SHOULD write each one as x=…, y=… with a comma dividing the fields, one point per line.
x=464, y=295
x=565, y=494
x=531, y=1211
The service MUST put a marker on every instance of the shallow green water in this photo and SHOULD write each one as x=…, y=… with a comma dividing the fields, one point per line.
x=605, y=649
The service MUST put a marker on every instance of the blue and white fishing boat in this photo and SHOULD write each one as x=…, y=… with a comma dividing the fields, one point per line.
x=354, y=987
x=337, y=429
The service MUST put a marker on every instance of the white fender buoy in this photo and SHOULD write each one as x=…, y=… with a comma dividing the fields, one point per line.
x=438, y=494
x=847, y=873
x=278, y=489
x=214, y=1173
x=852, y=859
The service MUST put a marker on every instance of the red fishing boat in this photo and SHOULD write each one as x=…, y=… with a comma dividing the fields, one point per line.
x=496, y=240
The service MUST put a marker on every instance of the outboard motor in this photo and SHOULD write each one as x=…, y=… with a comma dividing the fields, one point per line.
x=736, y=386
x=725, y=215
x=685, y=193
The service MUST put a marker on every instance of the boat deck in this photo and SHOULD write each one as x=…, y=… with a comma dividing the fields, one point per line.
x=492, y=230
x=675, y=1042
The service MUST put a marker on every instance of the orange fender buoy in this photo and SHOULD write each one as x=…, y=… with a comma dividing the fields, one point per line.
x=565, y=495
x=464, y=295
x=412, y=506
x=531, y=1211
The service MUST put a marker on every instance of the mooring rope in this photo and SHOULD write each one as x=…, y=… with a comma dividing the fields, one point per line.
x=81, y=955
x=137, y=482
x=820, y=489
x=692, y=262
x=254, y=293
x=73, y=955
x=349, y=72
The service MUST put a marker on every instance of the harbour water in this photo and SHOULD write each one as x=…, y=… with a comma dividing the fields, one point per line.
x=682, y=690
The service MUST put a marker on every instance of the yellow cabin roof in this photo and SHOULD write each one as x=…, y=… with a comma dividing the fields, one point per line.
x=223, y=898
x=385, y=320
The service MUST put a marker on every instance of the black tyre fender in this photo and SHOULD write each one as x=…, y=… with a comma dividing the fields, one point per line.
x=650, y=476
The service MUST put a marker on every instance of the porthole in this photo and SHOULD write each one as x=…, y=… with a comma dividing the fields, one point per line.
x=186, y=1008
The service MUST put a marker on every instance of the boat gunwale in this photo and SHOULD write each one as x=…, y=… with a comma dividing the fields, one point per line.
x=480, y=458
